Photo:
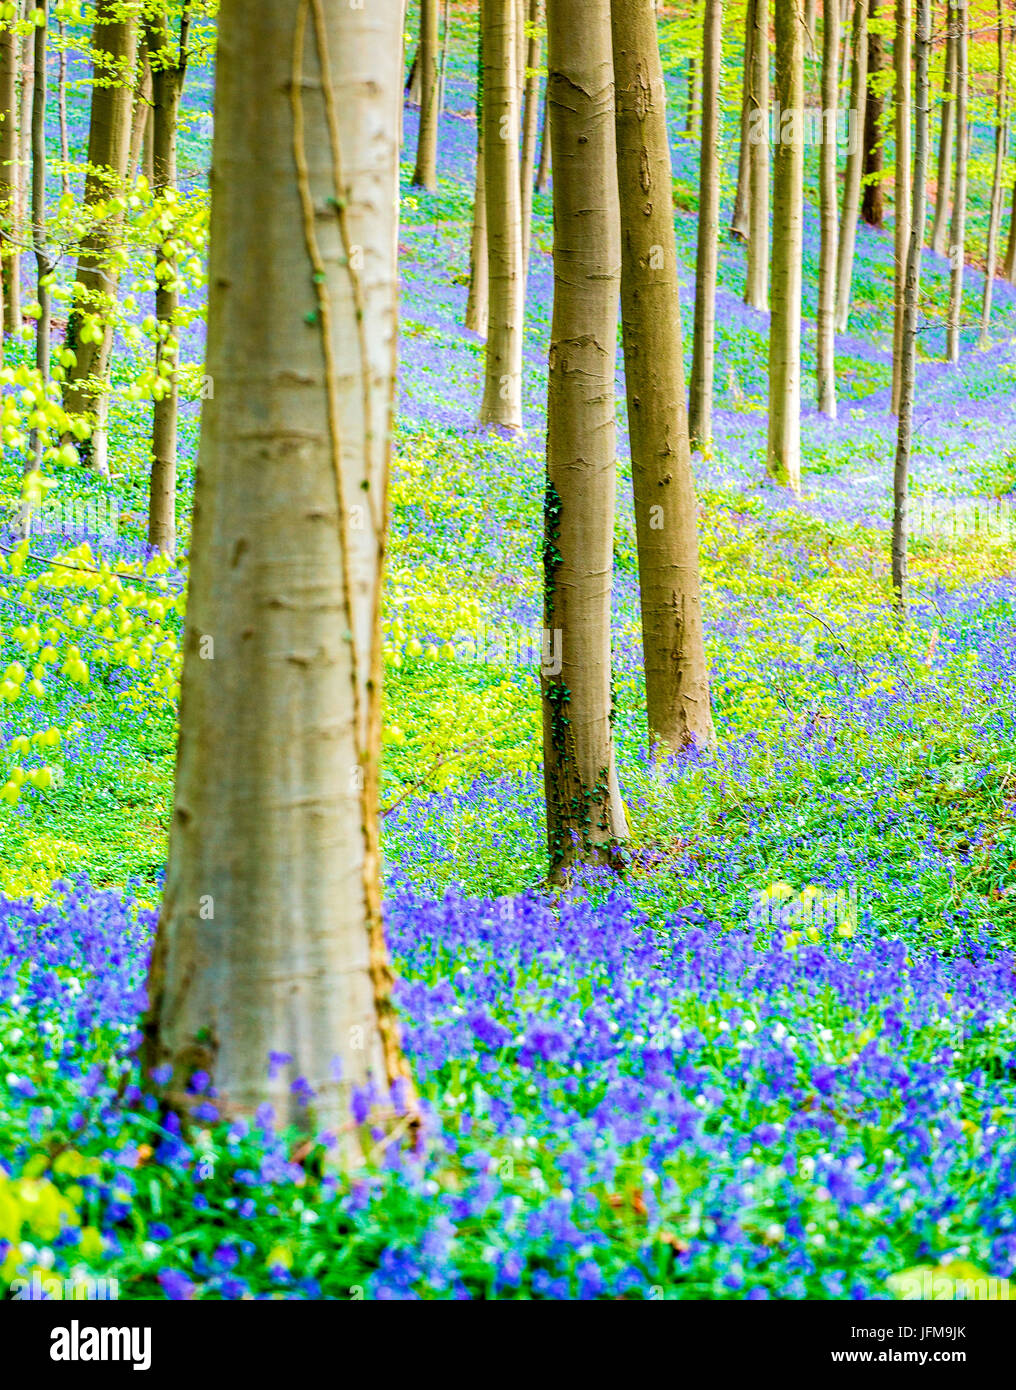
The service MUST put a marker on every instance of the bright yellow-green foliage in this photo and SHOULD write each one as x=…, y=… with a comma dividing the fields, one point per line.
x=83, y=621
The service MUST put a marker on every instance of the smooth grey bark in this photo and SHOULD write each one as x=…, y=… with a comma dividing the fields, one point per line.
x=995, y=215
x=783, y=451
x=825, y=355
x=947, y=139
x=756, y=287
x=700, y=409
x=902, y=192
x=739, y=216
x=666, y=513
x=585, y=815
x=270, y=937
x=958, y=229
x=502, y=391
x=922, y=48
x=425, y=172
x=854, y=170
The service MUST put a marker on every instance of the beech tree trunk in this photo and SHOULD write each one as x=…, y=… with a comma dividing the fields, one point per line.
x=825, y=356
x=1009, y=266
x=543, y=173
x=873, y=200
x=704, y=343
x=530, y=129
x=65, y=151
x=995, y=215
x=502, y=392
x=666, y=514
x=270, y=938
x=902, y=191
x=855, y=166
x=693, y=108
x=478, y=300
x=168, y=66
x=958, y=230
x=115, y=39
x=43, y=264
x=425, y=173
x=142, y=113
x=922, y=49
x=9, y=285
x=783, y=455
x=756, y=289
x=585, y=816
x=23, y=212
x=810, y=23
x=947, y=139
x=739, y=217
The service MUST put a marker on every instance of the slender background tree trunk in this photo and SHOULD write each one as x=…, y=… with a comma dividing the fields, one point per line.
x=825, y=327
x=9, y=56
x=478, y=300
x=873, y=200
x=855, y=165
x=783, y=455
x=169, y=70
x=115, y=40
x=425, y=173
x=995, y=216
x=704, y=344
x=530, y=129
x=756, y=289
x=947, y=139
x=922, y=50
x=502, y=392
x=902, y=192
x=958, y=230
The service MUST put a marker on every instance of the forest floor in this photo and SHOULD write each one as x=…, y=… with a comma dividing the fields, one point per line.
x=777, y=1058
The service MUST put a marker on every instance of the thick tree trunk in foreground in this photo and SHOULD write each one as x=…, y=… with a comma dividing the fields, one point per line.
x=902, y=192
x=995, y=215
x=585, y=816
x=115, y=40
x=873, y=200
x=270, y=938
x=666, y=516
x=169, y=70
x=502, y=392
x=958, y=230
x=947, y=140
x=825, y=356
x=855, y=165
x=425, y=173
x=783, y=454
x=756, y=288
x=700, y=411
x=922, y=50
